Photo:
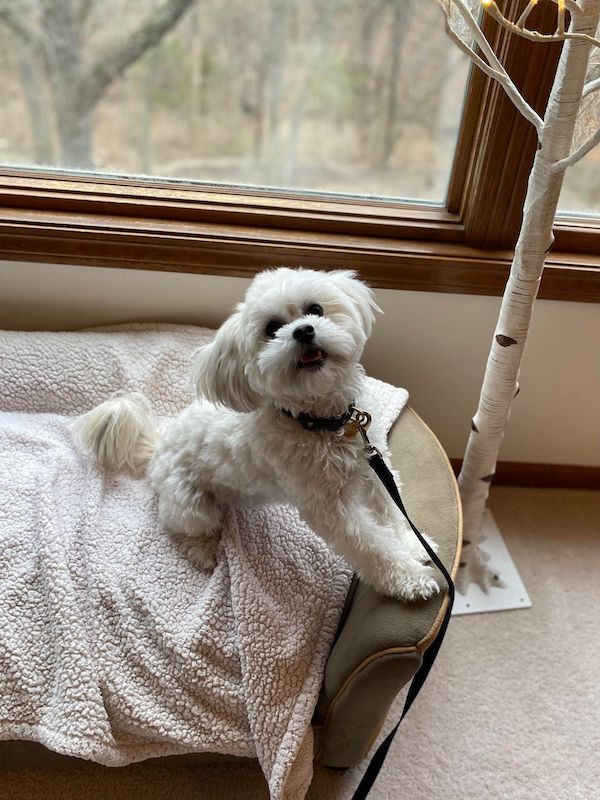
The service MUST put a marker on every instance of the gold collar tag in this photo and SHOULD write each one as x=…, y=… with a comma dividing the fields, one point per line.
x=351, y=428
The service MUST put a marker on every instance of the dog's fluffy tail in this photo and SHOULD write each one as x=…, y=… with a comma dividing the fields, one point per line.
x=120, y=432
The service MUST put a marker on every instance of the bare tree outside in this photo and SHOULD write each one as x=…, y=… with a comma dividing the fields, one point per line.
x=54, y=48
x=358, y=96
x=333, y=95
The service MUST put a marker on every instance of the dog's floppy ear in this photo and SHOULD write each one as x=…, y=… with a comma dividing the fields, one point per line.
x=360, y=294
x=218, y=369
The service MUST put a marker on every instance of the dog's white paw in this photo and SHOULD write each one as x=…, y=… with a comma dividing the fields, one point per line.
x=420, y=587
x=416, y=583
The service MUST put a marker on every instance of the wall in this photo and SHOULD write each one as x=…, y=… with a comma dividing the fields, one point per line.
x=433, y=344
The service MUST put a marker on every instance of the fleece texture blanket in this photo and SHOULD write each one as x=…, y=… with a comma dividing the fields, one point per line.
x=113, y=647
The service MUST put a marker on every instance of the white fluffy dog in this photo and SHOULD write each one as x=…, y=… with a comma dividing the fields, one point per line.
x=274, y=390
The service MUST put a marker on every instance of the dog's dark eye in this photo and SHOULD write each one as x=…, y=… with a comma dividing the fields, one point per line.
x=315, y=310
x=272, y=328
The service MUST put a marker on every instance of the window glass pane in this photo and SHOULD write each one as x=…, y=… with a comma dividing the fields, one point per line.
x=355, y=96
x=581, y=187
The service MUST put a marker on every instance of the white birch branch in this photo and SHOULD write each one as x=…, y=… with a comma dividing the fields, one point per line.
x=572, y=6
x=478, y=34
x=590, y=87
x=561, y=166
x=525, y=15
x=514, y=27
x=494, y=68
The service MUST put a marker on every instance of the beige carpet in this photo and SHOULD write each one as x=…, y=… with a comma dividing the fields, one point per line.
x=511, y=710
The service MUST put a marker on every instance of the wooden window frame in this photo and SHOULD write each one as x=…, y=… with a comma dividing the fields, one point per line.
x=465, y=248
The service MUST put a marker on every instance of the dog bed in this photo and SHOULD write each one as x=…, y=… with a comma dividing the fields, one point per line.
x=113, y=647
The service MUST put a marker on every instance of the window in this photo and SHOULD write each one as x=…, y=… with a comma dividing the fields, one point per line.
x=315, y=132
x=326, y=95
x=581, y=188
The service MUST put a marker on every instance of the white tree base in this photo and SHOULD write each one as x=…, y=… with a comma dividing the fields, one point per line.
x=512, y=595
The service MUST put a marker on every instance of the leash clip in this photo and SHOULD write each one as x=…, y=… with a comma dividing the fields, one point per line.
x=362, y=419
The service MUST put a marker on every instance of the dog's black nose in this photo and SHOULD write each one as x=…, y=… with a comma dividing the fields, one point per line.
x=304, y=333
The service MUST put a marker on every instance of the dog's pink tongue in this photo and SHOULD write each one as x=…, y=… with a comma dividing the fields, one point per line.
x=310, y=356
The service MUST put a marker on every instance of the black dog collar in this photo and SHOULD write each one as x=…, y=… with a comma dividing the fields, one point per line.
x=318, y=424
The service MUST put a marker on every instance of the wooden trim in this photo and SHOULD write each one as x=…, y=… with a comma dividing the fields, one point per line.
x=577, y=235
x=549, y=476
x=139, y=243
x=107, y=196
x=496, y=145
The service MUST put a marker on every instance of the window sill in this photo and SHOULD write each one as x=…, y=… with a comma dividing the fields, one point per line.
x=87, y=221
x=417, y=265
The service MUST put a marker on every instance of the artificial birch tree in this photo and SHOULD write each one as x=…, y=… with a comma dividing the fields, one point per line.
x=577, y=24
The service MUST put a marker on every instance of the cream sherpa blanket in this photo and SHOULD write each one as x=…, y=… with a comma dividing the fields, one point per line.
x=112, y=646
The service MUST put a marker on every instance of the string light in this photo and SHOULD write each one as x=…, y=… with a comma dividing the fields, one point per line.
x=561, y=17
x=518, y=27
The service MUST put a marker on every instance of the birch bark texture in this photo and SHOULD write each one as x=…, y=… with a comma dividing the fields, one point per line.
x=555, y=135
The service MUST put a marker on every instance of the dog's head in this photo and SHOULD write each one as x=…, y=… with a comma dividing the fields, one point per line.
x=295, y=341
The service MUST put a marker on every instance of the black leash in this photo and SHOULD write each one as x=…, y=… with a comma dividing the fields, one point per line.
x=385, y=476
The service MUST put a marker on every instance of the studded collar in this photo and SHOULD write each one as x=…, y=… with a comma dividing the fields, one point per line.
x=318, y=424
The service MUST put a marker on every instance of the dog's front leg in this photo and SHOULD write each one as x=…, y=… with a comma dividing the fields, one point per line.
x=371, y=544
x=388, y=514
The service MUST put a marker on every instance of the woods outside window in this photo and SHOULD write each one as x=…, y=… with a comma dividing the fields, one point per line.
x=316, y=132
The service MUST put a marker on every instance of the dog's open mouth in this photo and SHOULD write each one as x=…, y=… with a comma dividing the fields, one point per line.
x=312, y=358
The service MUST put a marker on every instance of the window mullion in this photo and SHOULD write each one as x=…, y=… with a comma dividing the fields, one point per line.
x=496, y=145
